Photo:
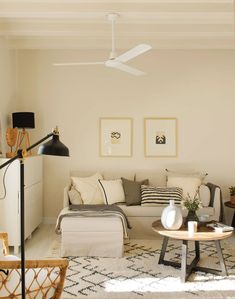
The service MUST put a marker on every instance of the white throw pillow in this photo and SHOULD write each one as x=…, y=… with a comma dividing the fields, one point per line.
x=189, y=184
x=112, y=191
x=75, y=196
x=204, y=193
x=88, y=188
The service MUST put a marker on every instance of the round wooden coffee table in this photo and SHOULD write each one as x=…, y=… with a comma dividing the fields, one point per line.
x=232, y=206
x=204, y=234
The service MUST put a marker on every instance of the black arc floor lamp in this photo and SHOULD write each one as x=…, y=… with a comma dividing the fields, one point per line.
x=52, y=147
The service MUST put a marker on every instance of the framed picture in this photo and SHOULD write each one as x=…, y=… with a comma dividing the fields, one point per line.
x=116, y=137
x=160, y=136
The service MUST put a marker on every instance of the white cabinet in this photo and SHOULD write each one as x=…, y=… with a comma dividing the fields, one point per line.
x=10, y=205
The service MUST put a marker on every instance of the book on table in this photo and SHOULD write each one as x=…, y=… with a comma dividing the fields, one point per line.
x=220, y=227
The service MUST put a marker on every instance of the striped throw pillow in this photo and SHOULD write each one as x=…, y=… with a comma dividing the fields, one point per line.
x=151, y=196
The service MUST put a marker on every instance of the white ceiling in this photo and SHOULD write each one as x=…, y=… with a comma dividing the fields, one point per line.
x=82, y=24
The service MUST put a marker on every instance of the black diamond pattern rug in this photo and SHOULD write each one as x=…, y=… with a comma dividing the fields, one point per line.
x=138, y=274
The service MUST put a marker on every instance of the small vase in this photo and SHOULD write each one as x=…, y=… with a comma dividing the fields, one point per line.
x=171, y=217
x=192, y=216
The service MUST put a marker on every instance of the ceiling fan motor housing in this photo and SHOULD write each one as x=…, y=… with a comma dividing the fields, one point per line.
x=112, y=63
x=112, y=16
x=112, y=55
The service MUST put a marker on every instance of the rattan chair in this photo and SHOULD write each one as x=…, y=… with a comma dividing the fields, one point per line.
x=44, y=278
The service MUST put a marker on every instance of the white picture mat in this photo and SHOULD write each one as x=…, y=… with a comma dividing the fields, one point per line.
x=124, y=145
x=152, y=127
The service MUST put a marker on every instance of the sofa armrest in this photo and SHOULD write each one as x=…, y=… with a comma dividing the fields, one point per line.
x=217, y=205
x=66, y=196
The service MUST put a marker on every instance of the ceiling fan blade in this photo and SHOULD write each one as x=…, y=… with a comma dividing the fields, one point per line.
x=129, y=69
x=77, y=63
x=132, y=53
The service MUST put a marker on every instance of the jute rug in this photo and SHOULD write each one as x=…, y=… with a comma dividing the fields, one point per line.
x=138, y=274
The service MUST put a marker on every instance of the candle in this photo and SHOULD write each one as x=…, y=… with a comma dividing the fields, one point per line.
x=192, y=227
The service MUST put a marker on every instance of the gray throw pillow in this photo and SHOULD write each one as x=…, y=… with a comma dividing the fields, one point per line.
x=132, y=191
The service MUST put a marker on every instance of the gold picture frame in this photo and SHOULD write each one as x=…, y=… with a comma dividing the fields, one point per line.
x=116, y=136
x=160, y=137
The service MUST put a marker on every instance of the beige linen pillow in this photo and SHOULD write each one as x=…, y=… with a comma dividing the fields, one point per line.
x=189, y=184
x=88, y=188
x=75, y=196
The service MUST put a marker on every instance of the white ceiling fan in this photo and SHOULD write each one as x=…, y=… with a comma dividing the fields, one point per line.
x=115, y=61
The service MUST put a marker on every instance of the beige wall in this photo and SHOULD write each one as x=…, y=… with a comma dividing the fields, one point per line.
x=7, y=87
x=197, y=87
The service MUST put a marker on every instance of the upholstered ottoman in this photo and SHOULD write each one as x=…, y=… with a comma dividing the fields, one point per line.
x=92, y=236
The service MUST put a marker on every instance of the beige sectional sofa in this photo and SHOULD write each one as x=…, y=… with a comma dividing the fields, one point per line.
x=142, y=217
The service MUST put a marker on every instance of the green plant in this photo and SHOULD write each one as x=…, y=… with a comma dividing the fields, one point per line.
x=192, y=204
x=232, y=190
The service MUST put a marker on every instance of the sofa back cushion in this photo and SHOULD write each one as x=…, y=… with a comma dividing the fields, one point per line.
x=151, y=196
x=156, y=177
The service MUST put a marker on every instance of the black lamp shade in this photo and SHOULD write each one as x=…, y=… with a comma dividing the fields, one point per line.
x=53, y=147
x=23, y=120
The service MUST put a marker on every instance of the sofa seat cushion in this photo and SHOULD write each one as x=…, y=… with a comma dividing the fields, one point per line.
x=142, y=211
x=156, y=211
x=91, y=224
x=92, y=236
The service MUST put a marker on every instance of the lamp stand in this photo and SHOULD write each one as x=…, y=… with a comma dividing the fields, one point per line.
x=20, y=155
x=22, y=228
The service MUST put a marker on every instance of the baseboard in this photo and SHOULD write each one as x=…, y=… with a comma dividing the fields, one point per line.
x=49, y=220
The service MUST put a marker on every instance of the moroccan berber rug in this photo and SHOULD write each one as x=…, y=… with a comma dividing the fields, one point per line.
x=138, y=274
